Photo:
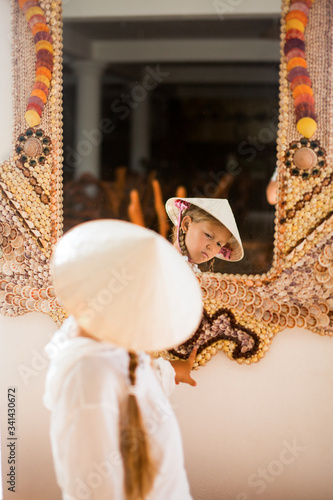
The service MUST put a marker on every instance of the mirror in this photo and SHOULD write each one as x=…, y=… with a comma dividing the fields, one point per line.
x=208, y=127
x=210, y=130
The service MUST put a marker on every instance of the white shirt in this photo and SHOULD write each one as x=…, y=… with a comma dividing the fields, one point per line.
x=86, y=390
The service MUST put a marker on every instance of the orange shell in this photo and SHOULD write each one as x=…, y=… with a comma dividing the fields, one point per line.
x=39, y=93
x=297, y=14
x=296, y=61
x=43, y=79
x=22, y=3
x=33, y=11
x=42, y=71
x=39, y=27
x=32, y=118
x=43, y=44
x=302, y=89
x=295, y=24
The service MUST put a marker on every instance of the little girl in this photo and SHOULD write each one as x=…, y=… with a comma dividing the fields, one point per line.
x=113, y=432
x=204, y=228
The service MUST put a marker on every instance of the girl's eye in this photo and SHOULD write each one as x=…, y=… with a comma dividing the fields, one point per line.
x=219, y=245
x=208, y=235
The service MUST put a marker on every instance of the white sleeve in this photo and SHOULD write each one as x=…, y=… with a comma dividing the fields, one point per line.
x=85, y=439
x=165, y=375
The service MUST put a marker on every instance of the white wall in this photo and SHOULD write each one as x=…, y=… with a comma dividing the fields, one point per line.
x=124, y=9
x=262, y=431
x=6, y=121
x=23, y=367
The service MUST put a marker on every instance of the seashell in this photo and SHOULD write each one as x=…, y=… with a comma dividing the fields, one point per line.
x=204, y=292
x=3, y=284
x=267, y=304
x=53, y=305
x=328, y=284
x=323, y=277
x=17, y=289
x=45, y=306
x=6, y=269
x=42, y=293
x=218, y=294
x=9, y=288
x=330, y=304
x=26, y=292
x=314, y=310
x=6, y=230
x=249, y=309
x=323, y=320
x=267, y=317
x=34, y=293
x=294, y=311
x=9, y=298
x=232, y=288
x=240, y=291
x=330, y=270
x=319, y=268
x=23, y=303
x=258, y=300
x=17, y=242
x=304, y=311
x=311, y=321
x=19, y=258
x=33, y=147
x=225, y=298
x=323, y=260
x=291, y=323
x=275, y=319
x=211, y=292
x=258, y=313
x=30, y=304
x=223, y=285
x=300, y=321
x=16, y=301
x=240, y=306
x=214, y=282
x=38, y=305
x=19, y=251
x=15, y=267
x=324, y=307
x=249, y=297
x=305, y=158
x=275, y=306
x=51, y=292
x=283, y=320
x=285, y=309
x=206, y=280
x=233, y=301
x=7, y=250
x=13, y=234
x=329, y=252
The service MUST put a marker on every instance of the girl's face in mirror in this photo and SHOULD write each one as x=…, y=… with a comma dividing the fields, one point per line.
x=203, y=239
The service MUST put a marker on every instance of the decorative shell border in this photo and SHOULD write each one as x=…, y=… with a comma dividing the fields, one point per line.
x=242, y=313
x=31, y=179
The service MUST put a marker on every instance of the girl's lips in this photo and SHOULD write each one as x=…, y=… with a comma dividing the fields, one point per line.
x=205, y=255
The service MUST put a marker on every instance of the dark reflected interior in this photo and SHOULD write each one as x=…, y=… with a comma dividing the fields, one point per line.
x=216, y=138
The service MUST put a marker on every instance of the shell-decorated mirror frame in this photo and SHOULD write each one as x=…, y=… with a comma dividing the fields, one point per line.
x=242, y=313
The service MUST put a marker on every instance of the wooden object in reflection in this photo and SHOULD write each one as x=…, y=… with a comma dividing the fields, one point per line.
x=163, y=224
x=135, y=210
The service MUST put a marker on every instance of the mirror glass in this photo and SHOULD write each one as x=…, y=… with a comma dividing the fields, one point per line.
x=209, y=127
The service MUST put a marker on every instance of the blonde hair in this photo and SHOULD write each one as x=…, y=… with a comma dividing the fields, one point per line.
x=139, y=467
x=197, y=215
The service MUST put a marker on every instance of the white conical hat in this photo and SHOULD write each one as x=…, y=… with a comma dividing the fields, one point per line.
x=126, y=285
x=221, y=210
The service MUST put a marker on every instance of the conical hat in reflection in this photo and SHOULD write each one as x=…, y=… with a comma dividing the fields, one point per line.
x=221, y=210
x=126, y=285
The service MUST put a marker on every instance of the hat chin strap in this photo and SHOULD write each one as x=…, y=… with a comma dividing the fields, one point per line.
x=181, y=205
